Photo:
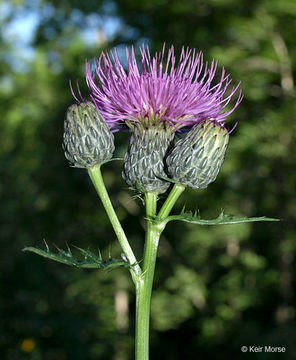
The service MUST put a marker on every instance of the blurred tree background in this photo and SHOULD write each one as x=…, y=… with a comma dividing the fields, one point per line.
x=216, y=289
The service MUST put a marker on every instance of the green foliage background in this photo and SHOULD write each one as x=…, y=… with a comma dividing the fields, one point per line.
x=216, y=288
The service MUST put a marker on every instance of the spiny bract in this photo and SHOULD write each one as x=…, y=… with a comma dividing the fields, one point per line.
x=196, y=159
x=143, y=166
x=87, y=138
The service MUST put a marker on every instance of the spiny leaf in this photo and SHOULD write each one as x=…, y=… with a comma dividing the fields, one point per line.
x=89, y=260
x=222, y=219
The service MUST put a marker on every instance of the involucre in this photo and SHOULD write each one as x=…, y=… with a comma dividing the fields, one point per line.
x=87, y=138
x=196, y=159
x=143, y=166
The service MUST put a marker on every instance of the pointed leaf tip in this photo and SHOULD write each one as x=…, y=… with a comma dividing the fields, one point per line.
x=222, y=219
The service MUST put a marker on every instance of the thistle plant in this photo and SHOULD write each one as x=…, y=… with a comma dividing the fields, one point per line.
x=176, y=117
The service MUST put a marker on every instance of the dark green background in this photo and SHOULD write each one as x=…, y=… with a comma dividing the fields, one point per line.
x=216, y=289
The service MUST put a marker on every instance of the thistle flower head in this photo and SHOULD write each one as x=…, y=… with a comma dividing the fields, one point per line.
x=161, y=91
x=87, y=140
x=195, y=161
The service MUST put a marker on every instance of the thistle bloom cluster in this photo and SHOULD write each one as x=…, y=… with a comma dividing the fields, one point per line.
x=157, y=99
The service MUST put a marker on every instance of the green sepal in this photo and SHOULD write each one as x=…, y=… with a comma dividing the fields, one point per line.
x=222, y=219
x=89, y=260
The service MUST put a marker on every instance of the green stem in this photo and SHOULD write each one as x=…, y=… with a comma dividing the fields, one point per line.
x=144, y=288
x=170, y=201
x=97, y=179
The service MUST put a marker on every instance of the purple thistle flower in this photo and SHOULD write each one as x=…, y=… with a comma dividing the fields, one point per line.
x=160, y=90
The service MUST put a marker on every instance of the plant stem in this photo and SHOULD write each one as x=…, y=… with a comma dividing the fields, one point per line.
x=143, y=280
x=144, y=288
x=97, y=179
x=170, y=201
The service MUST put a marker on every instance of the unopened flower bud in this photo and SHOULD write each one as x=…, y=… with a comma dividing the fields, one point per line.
x=196, y=159
x=143, y=166
x=87, y=138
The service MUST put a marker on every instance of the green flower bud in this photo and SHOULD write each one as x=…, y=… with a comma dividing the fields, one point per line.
x=196, y=159
x=87, y=138
x=144, y=161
